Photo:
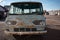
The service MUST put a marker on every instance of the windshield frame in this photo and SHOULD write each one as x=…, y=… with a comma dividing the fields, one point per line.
x=40, y=8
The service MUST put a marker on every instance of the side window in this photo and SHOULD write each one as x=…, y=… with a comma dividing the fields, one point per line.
x=11, y=10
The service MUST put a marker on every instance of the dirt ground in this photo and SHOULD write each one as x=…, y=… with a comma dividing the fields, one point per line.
x=53, y=30
x=53, y=27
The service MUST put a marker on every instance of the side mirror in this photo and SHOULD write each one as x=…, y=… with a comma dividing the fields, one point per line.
x=3, y=16
x=43, y=13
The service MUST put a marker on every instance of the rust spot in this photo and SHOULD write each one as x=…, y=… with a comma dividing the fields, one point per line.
x=12, y=26
x=29, y=26
x=24, y=25
x=30, y=20
x=18, y=19
x=20, y=24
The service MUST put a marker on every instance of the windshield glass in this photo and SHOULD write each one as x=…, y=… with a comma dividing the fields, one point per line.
x=26, y=9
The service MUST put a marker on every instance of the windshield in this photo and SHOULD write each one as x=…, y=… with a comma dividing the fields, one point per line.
x=26, y=9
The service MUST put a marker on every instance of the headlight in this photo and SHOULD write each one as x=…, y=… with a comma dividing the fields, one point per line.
x=11, y=22
x=39, y=22
x=42, y=23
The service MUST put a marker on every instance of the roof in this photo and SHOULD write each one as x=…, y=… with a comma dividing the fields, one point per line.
x=3, y=9
x=7, y=7
x=25, y=3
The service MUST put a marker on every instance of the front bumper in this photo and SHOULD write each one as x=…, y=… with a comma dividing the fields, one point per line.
x=26, y=33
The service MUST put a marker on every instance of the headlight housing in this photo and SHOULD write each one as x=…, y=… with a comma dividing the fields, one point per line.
x=39, y=22
x=42, y=23
x=11, y=22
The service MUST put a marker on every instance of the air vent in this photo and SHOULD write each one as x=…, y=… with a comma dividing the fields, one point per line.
x=27, y=29
x=33, y=29
x=16, y=29
x=22, y=29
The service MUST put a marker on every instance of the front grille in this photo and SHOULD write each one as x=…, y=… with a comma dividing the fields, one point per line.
x=16, y=29
x=34, y=29
x=28, y=29
x=24, y=29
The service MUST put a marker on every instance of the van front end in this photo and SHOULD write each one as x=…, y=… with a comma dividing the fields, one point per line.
x=26, y=18
x=26, y=24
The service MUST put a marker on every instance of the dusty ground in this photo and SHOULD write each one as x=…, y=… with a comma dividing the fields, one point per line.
x=53, y=27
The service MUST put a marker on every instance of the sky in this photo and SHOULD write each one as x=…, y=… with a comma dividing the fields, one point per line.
x=47, y=4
